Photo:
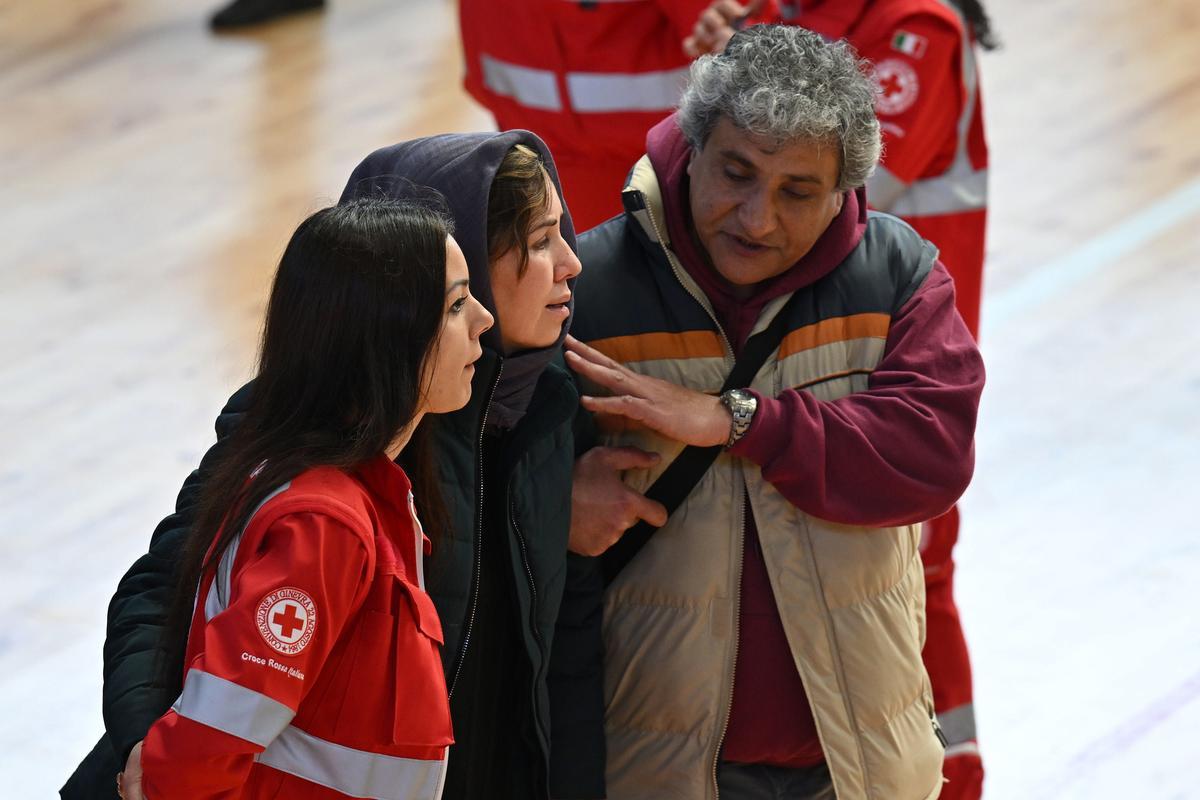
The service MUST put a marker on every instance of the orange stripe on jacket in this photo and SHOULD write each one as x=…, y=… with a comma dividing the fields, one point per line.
x=661, y=346
x=838, y=329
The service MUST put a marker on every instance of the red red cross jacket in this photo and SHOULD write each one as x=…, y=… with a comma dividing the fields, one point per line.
x=588, y=76
x=312, y=666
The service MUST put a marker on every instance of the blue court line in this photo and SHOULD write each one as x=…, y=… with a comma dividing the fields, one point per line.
x=1053, y=278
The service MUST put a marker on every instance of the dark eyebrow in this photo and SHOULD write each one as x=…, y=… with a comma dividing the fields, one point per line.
x=456, y=284
x=548, y=222
x=733, y=155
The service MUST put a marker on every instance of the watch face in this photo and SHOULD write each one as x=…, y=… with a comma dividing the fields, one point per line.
x=740, y=400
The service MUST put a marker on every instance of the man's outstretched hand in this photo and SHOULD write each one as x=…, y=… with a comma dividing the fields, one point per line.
x=678, y=413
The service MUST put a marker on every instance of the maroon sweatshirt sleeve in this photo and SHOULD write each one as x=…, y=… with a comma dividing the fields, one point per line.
x=900, y=452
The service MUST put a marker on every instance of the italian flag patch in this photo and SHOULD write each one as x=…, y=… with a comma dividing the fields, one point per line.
x=909, y=43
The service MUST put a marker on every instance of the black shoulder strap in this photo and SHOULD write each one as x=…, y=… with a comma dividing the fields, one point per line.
x=681, y=475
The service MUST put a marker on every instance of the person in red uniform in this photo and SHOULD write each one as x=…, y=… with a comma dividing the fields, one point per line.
x=933, y=174
x=589, y=77
x=312, y=666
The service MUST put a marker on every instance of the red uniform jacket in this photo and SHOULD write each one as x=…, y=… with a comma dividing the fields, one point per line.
x=312, y=666
x=588, y=76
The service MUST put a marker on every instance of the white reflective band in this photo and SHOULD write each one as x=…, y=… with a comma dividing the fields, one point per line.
x=536, y=88
x=959, y=189
x=965, y=749
x=647, y=91
x=231, y=708
x=958, y=724
x=249, y=715
x=218, y=594
x=354, y=772
x=884, y=189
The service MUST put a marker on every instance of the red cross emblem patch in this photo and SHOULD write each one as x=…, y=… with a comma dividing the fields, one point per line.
x=286, y=619
x=898, y=87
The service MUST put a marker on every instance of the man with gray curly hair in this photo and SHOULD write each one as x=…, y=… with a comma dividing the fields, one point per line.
x=748, y=315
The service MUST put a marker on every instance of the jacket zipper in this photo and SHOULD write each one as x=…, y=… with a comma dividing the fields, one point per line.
x=737, y=641
x=528, y=572
x=462, y=651
x=937, y=731
x=738, y=590
x=686, y=288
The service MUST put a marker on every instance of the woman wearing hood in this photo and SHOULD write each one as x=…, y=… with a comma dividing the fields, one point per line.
x=504, y=586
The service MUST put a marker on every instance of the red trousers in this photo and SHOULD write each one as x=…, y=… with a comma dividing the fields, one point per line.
x=948, y=663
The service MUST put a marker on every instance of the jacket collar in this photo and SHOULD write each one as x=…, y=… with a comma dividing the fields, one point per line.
x=554, y=401
x=385, y=480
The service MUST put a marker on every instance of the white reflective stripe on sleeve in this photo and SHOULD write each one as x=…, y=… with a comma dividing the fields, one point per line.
x=960, y=189
x=965, y=749
x=218, y=594
x=354, y=772
x=958, y=724
x=236, y=710
x=648, y=91
x=884, y=188
x=536, y=88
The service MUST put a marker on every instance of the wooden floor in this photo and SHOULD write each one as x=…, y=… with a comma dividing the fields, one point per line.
x=150, y=174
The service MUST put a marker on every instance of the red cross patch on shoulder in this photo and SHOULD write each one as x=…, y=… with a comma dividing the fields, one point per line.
x=286, y=619
x=898, y=87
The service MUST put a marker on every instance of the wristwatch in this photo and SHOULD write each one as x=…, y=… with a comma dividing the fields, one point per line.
x=741, y=405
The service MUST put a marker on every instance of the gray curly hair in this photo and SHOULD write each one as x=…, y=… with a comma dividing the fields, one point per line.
x=788, y=83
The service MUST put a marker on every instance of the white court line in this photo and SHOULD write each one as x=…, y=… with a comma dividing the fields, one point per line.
x=1050, y=279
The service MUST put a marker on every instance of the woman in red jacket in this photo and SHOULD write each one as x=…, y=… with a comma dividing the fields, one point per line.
x=312, y=667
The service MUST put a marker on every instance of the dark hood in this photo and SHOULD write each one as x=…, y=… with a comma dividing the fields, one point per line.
x=461, y=167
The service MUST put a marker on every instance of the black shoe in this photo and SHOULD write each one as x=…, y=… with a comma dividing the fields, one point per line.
x=240, y=13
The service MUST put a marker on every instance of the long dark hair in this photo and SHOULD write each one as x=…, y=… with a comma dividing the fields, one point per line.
x=979, y=22
x=356, y=306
